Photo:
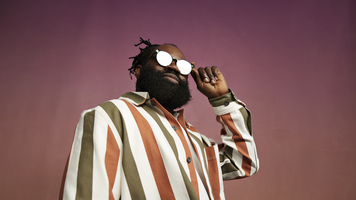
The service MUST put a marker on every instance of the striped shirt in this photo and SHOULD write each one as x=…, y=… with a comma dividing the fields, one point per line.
x=132, y=148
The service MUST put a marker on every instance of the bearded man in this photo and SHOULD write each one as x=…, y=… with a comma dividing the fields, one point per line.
x=140, y=146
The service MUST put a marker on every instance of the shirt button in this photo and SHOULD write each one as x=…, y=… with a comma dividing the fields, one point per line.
x=226, y=102
x=153, y=103
x=189, y=159
x=174, y=127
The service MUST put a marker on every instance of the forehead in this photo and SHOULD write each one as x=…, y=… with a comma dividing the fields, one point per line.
x=174, y=51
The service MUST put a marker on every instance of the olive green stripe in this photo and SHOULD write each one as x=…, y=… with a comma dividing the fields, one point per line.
x=227, y=167
x=247, y=118
x=85, y=166
x=134, y=97
x=219, y=101
x=115, y=115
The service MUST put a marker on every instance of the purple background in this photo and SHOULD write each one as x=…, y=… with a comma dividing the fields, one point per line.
x=291, y=62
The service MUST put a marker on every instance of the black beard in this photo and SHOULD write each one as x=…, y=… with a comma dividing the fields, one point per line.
x=169, y=95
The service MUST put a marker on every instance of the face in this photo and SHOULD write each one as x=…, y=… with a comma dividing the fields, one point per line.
x=165, y=84
x=175, y=53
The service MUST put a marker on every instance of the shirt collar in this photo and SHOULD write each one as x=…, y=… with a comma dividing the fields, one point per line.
x=139, y=98
x=136, y=98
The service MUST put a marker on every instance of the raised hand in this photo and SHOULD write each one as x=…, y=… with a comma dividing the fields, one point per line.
x=210, y=81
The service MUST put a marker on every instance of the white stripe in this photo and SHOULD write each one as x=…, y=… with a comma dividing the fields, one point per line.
x=231, y=175
x=222, y=194
x=125, y=192
x=116, y=190
x=70, y=184
x=100, y=178
x=222, y=110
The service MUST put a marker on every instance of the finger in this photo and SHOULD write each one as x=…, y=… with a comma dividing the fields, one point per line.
x=215, y=70
x=195, y=75
x=203, y=75
x=210, y=74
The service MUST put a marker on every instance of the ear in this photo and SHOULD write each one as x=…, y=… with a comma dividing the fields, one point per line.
x=138, y=71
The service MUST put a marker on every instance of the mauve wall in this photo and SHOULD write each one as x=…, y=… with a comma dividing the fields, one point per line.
x=292, y=62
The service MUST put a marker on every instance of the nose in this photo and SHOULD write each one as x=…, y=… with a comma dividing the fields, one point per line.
x=173, y=65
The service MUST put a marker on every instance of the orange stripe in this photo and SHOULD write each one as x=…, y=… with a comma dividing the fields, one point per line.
x=153, y=154
x=213, y=171
x=111, y=160
x=239, y=142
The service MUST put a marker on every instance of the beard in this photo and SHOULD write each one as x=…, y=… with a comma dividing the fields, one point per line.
x=168, y=94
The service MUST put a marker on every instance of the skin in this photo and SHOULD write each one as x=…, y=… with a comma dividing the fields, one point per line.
x=209, y=80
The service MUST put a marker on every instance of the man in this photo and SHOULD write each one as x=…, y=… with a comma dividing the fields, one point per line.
x=140, y=147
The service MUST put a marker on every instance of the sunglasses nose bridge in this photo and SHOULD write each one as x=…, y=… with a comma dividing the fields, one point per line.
x=173, y=65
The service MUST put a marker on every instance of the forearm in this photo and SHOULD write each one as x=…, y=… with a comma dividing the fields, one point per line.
x=238, y=155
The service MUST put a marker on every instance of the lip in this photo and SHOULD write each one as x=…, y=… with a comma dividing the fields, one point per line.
x=171, y=77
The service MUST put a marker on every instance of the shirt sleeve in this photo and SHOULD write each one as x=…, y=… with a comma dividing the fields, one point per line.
x=95, y=156
x=237, y=153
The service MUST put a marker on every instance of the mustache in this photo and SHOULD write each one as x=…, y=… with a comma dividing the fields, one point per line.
x=174, y=73
x=171, y=72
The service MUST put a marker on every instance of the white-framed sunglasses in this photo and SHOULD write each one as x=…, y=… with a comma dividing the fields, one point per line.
x=165, y=59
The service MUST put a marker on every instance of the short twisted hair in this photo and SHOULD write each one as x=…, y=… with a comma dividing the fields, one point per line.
x=142, y=57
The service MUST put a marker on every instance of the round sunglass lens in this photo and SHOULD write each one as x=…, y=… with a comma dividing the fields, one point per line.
x=164, y=58
x=184, y=67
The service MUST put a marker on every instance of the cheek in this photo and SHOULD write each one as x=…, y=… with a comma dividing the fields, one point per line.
x=158, y=68
x=152, y=67
x=183, y=78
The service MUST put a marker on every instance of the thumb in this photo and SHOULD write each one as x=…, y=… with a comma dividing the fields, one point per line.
x=195, y=75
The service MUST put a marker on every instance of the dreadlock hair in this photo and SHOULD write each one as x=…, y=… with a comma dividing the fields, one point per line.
x=142, y=57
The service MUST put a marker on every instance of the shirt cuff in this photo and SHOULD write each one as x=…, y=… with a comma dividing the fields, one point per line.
x=225, y=104
x=225, y=100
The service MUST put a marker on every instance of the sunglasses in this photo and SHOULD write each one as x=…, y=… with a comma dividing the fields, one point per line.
x=165, y=59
